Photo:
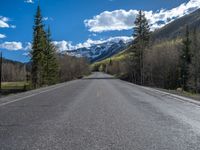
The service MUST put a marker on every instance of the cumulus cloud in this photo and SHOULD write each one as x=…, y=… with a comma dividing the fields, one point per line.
x=11, y=46
x=2, y=36
x=63, y=45
x=67, y=46
x=29, y=1
x=110, y=21
x=124, y=20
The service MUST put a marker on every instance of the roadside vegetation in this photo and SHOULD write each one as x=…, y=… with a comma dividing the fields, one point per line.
x=15, y=85
x=170, y=63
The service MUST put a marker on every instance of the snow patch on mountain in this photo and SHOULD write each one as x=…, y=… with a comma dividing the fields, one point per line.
x=95, y=50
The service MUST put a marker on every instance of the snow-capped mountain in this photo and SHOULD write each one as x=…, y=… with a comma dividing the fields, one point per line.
x=102, y=50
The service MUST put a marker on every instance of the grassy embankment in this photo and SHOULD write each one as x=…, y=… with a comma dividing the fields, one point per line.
x=14, y=87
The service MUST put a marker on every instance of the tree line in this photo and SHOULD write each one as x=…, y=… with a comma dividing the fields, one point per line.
x=169, y=63
x=13, y=71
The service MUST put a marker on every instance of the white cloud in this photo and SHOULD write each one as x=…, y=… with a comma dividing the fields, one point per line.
x=65, y=45
x=13, y=26
x=3, y=22
x=11, y=46
x=110, y=21
x=5, y=19
x=29, y=1
x=2, y=36
x=88, y=43
x=14, y=46
x=45, y=18
x=94, y=34
x=124, y=20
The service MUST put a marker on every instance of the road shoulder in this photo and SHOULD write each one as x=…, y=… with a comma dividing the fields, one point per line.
x=166, y=93
x=21, y=96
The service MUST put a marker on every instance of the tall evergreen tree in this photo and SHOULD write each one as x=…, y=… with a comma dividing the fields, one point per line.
x=185, y=60
x=51, y=64
x=195, y=63
x=38, y=46
x=141, y=40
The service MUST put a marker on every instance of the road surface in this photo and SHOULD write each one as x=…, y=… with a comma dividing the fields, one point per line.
x=98, y=113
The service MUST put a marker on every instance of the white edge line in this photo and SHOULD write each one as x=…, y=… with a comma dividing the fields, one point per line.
x=176, y=97
x=22, y=98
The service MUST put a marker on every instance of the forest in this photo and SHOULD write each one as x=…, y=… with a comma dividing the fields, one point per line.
x=170, y=63
x=47, y=66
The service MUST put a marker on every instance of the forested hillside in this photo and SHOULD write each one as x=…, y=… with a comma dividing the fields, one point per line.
x=170, y=61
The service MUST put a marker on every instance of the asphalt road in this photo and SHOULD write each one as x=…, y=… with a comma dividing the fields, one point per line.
x=98, y=113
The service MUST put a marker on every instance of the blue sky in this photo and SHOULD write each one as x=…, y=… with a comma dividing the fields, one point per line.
x=81, y=23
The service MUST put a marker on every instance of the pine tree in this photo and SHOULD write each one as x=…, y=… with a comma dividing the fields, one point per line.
x=38, y=46
x=141, y=40
x=51, y=64
x=185, y=60
x=195, y=64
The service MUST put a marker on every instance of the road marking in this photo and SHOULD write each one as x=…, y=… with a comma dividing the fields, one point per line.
x=98, y=92
x=162, y=93
x=22, y=98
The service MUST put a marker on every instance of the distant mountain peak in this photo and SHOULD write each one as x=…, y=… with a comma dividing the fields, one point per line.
x=101, y=50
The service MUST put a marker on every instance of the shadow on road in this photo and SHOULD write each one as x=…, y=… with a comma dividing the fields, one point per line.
x=103, y=78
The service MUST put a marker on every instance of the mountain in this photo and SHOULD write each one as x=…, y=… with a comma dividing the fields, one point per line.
x=177, y=27
x=8, y=61
x=98, y=52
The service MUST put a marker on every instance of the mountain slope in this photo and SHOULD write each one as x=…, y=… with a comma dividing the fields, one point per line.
x=177, y=27
x=170, y=32
x=98, y=52
x=102, y=51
